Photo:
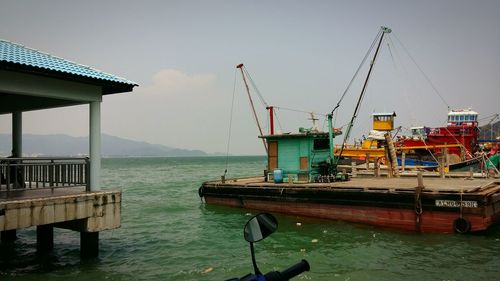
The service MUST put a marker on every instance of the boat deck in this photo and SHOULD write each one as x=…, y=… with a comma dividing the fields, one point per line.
x=434, y=185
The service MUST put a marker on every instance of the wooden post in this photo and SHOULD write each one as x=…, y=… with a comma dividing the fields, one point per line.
x=376, y=168
x=367, y=160
x=403, y=159
x=388, y=162
x=442, y=160
x=354, y=170
x=420, y=180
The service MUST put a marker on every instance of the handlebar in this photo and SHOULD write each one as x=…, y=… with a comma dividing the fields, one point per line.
x=285, y=275
x=288, y=273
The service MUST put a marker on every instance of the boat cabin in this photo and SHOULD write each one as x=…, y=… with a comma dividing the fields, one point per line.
x=383, y=121
x=299, y=156
x=464, y=117
x=419, y=132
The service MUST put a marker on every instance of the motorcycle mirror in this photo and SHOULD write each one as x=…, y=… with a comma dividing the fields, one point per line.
x=260, y=227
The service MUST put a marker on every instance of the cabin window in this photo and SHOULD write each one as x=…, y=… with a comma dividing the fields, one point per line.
x=320, y=144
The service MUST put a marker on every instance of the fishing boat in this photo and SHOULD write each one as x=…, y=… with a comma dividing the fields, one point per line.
x=422, y=149
x=304, y=178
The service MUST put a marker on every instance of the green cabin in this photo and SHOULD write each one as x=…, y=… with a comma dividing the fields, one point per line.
x=300, y=156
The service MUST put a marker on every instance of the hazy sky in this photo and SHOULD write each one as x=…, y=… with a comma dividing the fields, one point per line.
x=301, y=55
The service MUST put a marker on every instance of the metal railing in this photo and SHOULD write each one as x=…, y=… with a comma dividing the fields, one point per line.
x=32, y=173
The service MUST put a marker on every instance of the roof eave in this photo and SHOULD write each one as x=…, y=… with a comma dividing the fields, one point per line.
x=108, y=87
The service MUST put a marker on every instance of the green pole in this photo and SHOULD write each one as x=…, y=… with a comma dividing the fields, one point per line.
x=330, y=137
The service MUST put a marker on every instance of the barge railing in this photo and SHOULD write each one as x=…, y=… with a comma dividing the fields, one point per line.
x=37, y=172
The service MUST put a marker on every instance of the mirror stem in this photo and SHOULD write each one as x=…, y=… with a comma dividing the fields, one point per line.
x=255, y=268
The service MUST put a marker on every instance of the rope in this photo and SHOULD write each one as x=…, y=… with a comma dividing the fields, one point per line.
x=230, y=123
x=301, y=111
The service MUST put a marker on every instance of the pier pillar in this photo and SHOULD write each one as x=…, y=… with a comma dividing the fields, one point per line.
x=354, y=170
x=95, y=146
x=17, y=134
x=8, y=235
x=44, y=238
x=89, y=244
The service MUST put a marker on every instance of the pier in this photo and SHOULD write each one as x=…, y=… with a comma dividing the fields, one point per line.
x=48, y=192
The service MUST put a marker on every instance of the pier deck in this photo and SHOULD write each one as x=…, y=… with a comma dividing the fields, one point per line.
x=74, y=208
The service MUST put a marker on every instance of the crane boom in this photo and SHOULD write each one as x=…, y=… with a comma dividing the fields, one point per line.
x=384, y=30
x=240, y=66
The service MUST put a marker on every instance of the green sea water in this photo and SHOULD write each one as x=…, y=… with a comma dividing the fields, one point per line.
x=167, y=233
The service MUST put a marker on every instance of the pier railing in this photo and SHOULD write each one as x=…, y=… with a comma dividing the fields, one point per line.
x=33, y=173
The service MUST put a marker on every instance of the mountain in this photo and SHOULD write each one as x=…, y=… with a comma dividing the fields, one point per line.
x=64, y=145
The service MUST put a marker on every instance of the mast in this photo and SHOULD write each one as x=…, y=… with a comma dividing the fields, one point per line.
x=240, y=66
x=271, y=119
x=384, y=30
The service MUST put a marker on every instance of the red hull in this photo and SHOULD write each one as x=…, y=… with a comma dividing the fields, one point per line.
x=404, y=219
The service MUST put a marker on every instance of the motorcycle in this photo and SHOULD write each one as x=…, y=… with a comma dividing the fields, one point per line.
x=257, y=229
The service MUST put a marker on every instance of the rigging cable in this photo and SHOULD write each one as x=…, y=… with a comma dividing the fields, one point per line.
x=261, y=98
x=404, y=75
x=359, y=68
x=230, y=123
x=421, y=71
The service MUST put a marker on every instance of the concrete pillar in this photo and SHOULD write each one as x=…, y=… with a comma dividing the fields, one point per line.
x=17, y=134
x=95, y=146
x=89, y=244
x=44, y=238
x=8, y=235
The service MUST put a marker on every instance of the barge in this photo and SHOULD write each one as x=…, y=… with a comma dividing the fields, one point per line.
x=303, y=177
x=435, y=206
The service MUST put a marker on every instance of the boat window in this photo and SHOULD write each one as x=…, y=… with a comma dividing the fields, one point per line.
x=462, y=118
x=466, y=117
x=320, y=144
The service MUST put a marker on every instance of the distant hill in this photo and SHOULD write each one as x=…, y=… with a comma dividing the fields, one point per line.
x=64, y=145
x=485, y=131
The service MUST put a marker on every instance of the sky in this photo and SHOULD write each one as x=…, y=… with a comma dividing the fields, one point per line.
x=300, y=54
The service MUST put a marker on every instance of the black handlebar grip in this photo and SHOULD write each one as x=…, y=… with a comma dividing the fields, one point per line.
x=288, y=273
x=295, y=270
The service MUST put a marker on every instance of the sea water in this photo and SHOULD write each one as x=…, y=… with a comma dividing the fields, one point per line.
x=167, y=233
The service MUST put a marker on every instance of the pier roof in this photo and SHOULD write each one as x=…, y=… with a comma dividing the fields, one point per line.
x=17, y=57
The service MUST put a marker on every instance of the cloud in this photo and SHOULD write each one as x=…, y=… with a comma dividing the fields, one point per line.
x=173, y=82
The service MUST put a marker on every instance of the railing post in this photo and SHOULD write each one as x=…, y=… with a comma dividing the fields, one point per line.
x=51, y=173
x=87, y=174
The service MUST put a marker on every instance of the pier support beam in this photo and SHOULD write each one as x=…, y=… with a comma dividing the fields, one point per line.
x=95, y=146
x=89, y=244
x=17, y=134
x=44, y=238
